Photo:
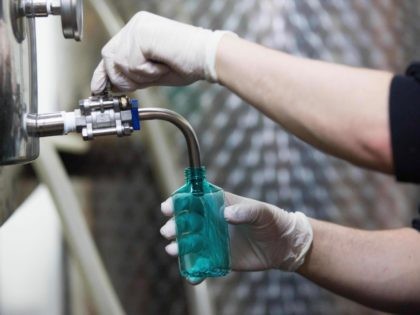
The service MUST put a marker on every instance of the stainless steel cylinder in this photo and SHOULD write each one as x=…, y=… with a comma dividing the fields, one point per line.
x=98, y=104
x=72, y=18
x=33, y=8
x=45, y=125
x=18, y=87
x=71, y=12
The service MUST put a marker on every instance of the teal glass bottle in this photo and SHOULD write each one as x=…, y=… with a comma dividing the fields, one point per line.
x=201, y=230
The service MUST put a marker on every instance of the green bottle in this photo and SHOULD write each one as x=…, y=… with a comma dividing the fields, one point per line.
x=201, y=230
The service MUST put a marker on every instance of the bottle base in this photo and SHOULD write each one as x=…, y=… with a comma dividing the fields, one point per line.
x=215, y=272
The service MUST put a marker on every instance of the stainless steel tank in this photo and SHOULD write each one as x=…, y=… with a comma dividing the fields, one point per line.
x=18, y=85
x=18, y=72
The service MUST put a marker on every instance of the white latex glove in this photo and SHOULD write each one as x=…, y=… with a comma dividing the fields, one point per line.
x=262, y=236
x=153, y=50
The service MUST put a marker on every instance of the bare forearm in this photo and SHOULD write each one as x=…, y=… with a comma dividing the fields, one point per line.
x=379, y=269
x=339, y=109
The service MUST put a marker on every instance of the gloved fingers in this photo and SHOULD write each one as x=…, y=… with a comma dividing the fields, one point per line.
x=239, y=210
x=167, y=207
x=168, y=230
x=241, y=214
x=120, y=82
x=150, y=70
x=127, y=65
x=117, y=43
x=232, y=199
x=172, y=249
x=118, y=47
x=100, y=76
x=143, y=73
x=98, y=82
x=147, y=72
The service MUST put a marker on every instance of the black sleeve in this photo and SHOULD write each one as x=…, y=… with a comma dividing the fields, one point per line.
x=416, y=223
x=404, y=113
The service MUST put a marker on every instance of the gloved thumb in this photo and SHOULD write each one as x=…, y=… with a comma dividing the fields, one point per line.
x=241, y=214
x=99, y=78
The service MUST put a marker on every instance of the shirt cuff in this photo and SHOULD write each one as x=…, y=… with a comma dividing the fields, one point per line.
x=404, y=113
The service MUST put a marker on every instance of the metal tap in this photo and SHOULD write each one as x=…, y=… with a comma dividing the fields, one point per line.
x=71, y=12
x=106, y=114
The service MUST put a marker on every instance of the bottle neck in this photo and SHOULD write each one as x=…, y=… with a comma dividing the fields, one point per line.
x=195, y=177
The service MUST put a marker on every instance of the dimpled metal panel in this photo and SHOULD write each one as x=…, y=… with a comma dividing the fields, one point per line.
x=248, y=154
x=126, y=202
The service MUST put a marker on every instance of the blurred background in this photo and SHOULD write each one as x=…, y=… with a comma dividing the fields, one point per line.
x=120, y=183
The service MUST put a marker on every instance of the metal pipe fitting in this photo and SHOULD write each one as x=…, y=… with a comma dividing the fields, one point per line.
x=34, y=8
x=82, y=121
x=45, y=125
x=50, y=124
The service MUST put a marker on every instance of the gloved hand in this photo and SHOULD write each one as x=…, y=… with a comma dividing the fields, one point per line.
x=262, y=236
x=153, y=50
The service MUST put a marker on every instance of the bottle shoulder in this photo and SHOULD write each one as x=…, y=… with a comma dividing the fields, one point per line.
x=186, y=188
x=207, y=187
x=213, y=188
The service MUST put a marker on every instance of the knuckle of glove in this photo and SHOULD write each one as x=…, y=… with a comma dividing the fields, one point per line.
x=141, y=15
x=172, y=249
x=167, y=207
x=168, y=230
x=144, y=22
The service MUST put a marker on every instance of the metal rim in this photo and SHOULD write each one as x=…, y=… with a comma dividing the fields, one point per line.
x=72, y=18
x=17, y=22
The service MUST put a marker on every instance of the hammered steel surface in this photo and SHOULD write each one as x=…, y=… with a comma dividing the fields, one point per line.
x=248, y=154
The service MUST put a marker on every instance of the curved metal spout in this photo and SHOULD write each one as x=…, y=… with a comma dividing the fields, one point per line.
x=182, y=124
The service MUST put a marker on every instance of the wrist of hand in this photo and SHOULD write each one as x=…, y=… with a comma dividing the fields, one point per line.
x=300, y=237
x=210, y=73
